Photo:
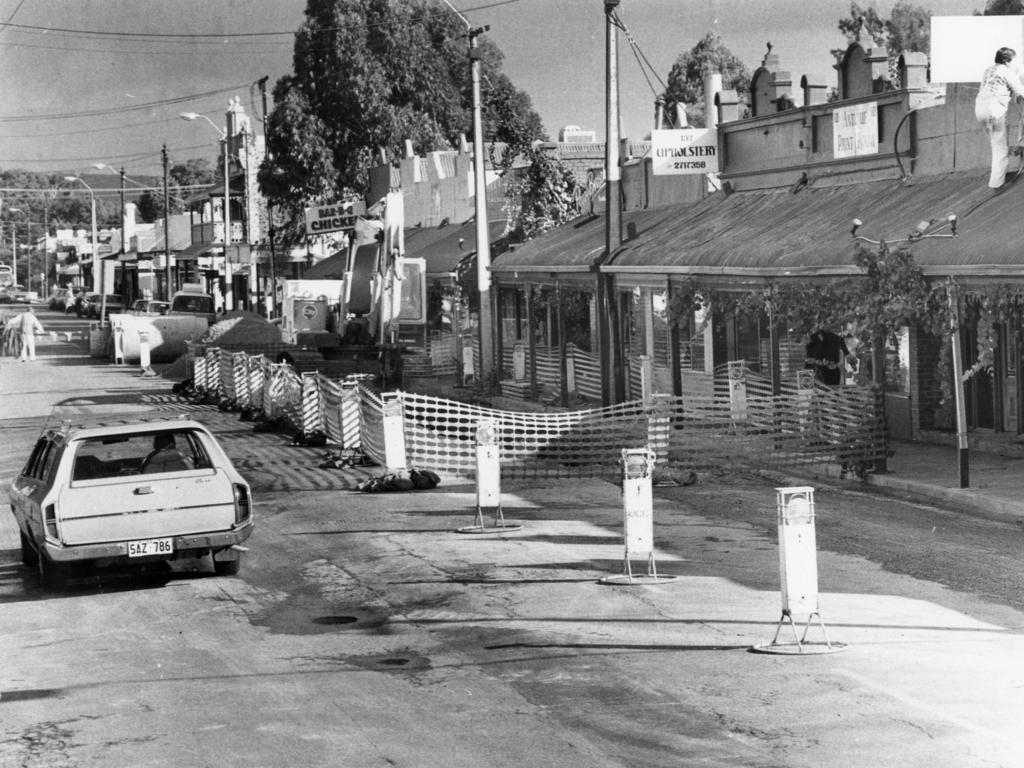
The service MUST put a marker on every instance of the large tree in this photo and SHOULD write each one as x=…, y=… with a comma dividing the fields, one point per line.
x=368, y=75
x=183, y=179
x=686, y=78
x=908, y=27
x=1002, y=8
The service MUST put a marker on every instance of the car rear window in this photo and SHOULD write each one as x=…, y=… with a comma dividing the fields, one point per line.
x=203, y=304
x=138, y=454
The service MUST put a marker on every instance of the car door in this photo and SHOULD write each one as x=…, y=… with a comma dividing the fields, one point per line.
x=29, y=490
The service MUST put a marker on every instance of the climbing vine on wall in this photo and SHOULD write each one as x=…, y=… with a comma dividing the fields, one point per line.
x=892, y=292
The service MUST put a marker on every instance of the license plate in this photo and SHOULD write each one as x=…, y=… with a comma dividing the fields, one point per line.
x=150, y=547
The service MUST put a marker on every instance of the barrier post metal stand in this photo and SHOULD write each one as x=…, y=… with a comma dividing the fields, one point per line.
x=638, y=517
x=118, y=331
x=488, y=481
x=144, y=360
x=798, y=568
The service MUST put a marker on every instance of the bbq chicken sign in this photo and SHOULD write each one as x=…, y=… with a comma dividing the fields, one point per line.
x=337, y=217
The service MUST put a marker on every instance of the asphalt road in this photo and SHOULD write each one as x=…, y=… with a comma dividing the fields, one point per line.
x=364, y=631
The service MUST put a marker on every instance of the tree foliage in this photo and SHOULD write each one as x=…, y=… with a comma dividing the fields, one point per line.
x=182, y=178
x=1003, y=8
x=686, y=78
x=540, y=196
x=908, y=27
x=370, y=75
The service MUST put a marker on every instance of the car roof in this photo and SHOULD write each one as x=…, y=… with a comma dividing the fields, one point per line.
x=81, y=428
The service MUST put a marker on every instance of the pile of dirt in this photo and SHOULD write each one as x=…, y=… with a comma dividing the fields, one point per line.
x=177, y=370
x=242, y=328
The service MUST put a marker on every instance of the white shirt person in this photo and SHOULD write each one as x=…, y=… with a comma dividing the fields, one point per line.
x=999, y=84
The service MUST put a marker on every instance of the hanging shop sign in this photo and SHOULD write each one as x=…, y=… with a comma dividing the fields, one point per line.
x=337, y=217
x=684, y=151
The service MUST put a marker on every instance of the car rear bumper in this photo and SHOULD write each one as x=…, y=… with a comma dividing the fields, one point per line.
x=184, y=546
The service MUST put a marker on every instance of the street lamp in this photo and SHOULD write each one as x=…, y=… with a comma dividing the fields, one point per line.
x=95, y=250
x=14, y=243
x=190, y=116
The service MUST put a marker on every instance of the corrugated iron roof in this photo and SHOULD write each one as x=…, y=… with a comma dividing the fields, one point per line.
x=444, y=247
x=577, y=245
x=440, y=247
x=779, y=232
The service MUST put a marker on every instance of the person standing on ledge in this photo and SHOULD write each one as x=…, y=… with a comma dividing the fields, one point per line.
x=999, y=83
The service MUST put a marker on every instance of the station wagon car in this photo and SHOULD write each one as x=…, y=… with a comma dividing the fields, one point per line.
x=138, y=492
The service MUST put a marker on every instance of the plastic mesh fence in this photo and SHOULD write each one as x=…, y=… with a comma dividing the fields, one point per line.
x=441, y=434
x=371, y=422
x=801, y=426
x=339, y=411
x=726, y=419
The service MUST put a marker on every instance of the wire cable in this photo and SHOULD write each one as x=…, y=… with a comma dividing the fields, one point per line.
x=119, y=110
x=177, y=36
x=641, y=58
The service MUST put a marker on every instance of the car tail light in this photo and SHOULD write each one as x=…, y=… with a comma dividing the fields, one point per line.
x=243, y=504
x=50, y=521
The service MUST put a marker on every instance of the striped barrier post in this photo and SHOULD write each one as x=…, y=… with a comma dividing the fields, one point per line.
x=312, y=420
x=239, y=369
x=351, y=421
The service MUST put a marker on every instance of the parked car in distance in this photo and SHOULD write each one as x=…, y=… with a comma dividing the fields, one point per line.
x=94, y=304
x=63, y=299
x=14, y=294
x=192, y=301
x=103, y=495
x=149, y=307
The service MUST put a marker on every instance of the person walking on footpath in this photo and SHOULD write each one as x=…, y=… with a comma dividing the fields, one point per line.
x=27, y=325
x=999, y=83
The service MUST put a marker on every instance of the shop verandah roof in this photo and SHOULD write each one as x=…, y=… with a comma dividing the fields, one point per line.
x=779, y=233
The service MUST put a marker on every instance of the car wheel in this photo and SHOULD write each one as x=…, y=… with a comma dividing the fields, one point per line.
x=227, y=567
x=29, y=556
x=51, y=575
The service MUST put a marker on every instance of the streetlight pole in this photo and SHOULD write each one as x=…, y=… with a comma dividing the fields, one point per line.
x=95, y=250
x=229, y=293
x=14, y=243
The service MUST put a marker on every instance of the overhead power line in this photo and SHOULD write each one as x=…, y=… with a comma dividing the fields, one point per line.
x=641, y=57
x=123, y=35
x=118, y=110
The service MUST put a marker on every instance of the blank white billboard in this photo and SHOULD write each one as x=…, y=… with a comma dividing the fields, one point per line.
x=963, y=46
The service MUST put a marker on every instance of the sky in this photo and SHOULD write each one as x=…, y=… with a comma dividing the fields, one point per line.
x=70, y=100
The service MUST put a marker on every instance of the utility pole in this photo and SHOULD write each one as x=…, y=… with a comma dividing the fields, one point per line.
x=167, y=232
x=483, y=236
x=612, y=382
x=272, y=309
x=124, y=239
x=229, y=278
